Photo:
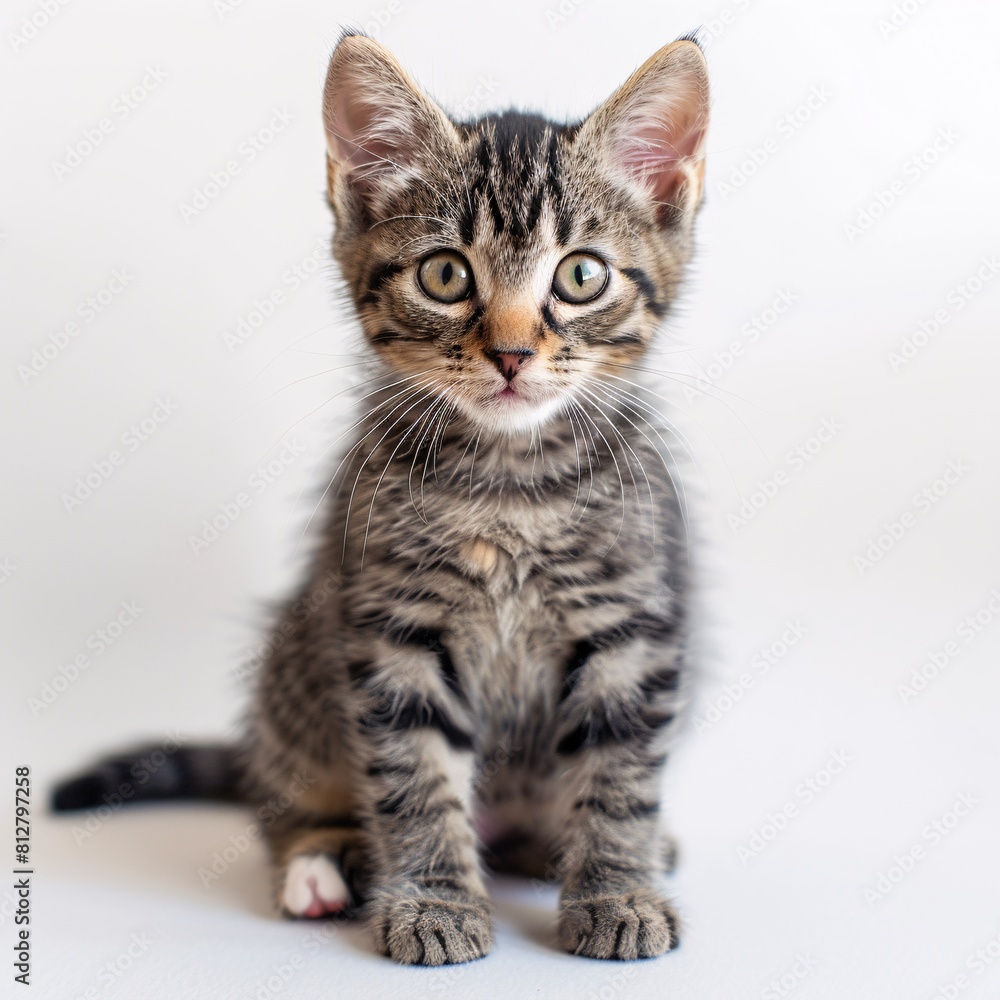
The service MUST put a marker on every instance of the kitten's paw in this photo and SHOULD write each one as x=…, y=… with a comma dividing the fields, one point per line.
x=314, y=887
x=634, y=925
x=433, y=931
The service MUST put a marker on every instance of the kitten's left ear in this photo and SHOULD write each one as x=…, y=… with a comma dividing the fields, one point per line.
x=380, y=126
x=652, y=129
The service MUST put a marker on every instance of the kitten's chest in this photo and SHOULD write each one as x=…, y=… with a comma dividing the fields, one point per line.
x=513, y=574
x=525, y=581
x=511, y=582
x=511, y=548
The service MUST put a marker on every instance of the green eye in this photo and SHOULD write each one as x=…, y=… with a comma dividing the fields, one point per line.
x=580, y=277
x=445, y=276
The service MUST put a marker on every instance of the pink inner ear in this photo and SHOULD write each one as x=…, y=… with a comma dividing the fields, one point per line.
x=354, y=132
x=654, y=153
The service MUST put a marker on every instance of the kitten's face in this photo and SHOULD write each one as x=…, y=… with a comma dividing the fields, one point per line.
x=512, y=267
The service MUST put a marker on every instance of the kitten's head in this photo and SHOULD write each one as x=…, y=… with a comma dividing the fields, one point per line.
x=512, y=264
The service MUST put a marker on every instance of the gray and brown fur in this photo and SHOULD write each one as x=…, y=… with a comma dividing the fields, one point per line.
x=511, y=588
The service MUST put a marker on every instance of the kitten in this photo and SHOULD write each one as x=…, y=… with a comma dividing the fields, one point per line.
x=498, y=666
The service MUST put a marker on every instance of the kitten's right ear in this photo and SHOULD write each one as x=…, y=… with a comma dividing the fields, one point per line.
x=380, y=127
x=652, y=129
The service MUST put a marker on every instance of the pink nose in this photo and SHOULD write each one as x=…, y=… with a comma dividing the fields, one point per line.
x=511, y=362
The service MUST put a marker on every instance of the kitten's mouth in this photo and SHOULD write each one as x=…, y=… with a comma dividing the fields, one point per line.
x=509, y=396
x=513, y=407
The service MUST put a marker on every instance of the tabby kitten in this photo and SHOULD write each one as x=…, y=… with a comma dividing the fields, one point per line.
x=496, y=670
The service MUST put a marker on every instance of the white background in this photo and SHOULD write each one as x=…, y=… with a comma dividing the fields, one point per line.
x=783, y=194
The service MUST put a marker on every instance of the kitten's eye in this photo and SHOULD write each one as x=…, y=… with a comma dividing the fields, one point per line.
x=446, y=276
x=580, y=277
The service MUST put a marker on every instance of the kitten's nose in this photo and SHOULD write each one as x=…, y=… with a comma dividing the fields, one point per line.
x=511, y=362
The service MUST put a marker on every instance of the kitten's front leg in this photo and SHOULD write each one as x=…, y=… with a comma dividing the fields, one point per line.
x=611, y=851
x=428, y=904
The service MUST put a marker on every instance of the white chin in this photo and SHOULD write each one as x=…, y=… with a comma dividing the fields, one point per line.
x=510, y=417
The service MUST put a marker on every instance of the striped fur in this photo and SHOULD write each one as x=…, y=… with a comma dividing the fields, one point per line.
x=512, y=569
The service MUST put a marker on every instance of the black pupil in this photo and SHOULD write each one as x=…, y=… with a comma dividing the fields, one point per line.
x=446, y=273
x=578, y=274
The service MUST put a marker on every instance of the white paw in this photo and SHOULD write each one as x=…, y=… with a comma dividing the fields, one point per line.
x=314, y=887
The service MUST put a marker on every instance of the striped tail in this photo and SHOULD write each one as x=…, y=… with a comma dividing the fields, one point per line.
x=155, y=774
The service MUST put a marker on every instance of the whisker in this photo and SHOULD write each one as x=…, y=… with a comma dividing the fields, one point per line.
x=315, y=409
x=632, y=400
x=396, y=218
x=325, y=354
x=291, y=346
x=439, y=424
x=677, y=376
x=472, y=467
x=407, y=393
x=579, y=468
x=427, y=416
x=682, y=437
x=621, y=480
x=350, y=502
x=591, y=452
x=625, y=442
x=354, y=425
x=458, y=465
x=621, y=437
x=306, y=378
x=378, y=484
x=419, y=175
